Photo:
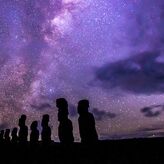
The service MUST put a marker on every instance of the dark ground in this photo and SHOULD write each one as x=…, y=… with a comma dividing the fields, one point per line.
x=132, y=151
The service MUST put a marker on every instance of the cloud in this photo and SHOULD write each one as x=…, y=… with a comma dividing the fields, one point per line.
x=132, y=135
x=42, y=106
x=152, y=111
x=155, y=131
x=140, y=74
x=99, y=115
x=150, y=129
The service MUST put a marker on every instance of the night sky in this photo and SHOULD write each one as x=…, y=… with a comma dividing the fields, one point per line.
x=109, y=51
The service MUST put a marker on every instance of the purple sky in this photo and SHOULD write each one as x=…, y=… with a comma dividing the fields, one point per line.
x=109, y=51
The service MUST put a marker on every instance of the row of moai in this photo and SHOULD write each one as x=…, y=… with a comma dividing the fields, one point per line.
x=86, y=123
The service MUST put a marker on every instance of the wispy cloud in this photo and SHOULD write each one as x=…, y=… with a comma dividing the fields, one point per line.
x=140, y=74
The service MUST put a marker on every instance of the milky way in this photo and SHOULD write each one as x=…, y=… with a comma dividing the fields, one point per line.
x=109, y=51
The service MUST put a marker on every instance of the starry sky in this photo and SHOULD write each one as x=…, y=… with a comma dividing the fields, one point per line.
x=108, y=51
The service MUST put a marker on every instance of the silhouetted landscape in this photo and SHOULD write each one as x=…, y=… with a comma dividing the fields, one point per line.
x=135, y=151
x=15, y=147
